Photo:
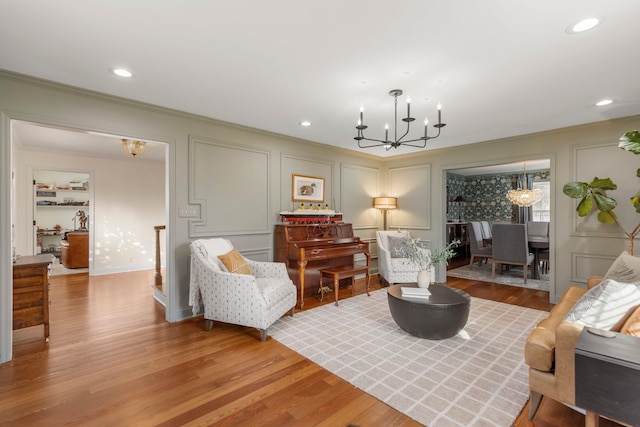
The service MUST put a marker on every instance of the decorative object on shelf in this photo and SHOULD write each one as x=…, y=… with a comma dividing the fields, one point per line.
x=415, y=253
x=307, y=189
x=384, y=204
x=82, y=218
x=397, y=141
x=524, y=197
x=133, y=147
x=596, y=191
x=310, y=216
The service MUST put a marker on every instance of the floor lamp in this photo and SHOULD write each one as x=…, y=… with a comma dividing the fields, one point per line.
x=384, y=204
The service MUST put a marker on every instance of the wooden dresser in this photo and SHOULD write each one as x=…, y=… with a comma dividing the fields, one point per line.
x=31, y=292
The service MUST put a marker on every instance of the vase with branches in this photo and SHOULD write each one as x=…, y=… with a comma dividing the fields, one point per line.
x=594, y=193
x=417, y=254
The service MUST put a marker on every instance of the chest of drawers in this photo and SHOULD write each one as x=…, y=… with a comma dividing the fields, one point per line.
x=31, y=292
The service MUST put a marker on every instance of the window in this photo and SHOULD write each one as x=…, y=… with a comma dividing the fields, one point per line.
x=542, y=209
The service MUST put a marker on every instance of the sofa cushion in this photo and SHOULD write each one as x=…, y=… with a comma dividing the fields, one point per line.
x=235, y=262
x=626, y=268
x=632, y=325
x=604, y=305
x=399, y=247
x=539, y=352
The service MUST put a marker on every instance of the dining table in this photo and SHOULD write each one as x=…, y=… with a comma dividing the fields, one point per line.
x=537, y=244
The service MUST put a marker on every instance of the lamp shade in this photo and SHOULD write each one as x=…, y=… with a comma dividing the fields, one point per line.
x=385, y=202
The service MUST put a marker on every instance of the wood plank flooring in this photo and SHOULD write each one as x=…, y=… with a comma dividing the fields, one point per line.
x=113, y=360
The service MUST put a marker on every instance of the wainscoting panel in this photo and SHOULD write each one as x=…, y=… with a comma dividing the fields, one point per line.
x=232, y=199
x=412, y=186
x=584, y=266
x=359, y=185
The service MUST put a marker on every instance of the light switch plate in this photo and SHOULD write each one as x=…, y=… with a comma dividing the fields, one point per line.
x=187, y=211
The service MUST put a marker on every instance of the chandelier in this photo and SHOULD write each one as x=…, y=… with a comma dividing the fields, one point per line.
x=524, y=197
x=397, y=142
x=134, y=148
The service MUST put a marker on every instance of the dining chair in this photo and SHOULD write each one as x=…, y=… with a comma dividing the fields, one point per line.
x=487, y=236
x=477, y=244
x=510, y=246
x=538, y=228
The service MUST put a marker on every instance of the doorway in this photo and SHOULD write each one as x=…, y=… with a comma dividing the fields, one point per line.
x=128, y=193
x=478, y=194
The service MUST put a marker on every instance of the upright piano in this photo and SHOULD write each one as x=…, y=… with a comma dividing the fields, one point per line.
x=308, y=248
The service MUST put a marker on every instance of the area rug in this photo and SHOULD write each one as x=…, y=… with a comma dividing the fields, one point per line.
x=477, y=378
x=513, y=276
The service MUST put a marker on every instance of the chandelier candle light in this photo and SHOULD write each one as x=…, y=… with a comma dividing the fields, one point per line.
x=397, y=142
x=524, y=197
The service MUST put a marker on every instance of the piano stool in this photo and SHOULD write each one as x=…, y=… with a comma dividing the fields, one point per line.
x=343, y=272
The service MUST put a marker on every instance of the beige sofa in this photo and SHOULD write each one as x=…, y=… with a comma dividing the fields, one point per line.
x=549, y=350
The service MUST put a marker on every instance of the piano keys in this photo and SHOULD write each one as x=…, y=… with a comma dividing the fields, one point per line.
x=308, y=248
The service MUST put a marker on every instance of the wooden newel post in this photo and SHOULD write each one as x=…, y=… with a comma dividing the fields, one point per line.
x=158, y=275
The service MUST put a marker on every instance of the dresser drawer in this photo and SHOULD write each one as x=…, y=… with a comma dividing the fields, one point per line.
x=28, y=282
x=27, y=317
x=34, y=298
x=29, y=271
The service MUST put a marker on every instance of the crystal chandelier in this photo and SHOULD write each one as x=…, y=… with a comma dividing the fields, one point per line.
x=397, y=141
x=524, y=197
x=134, y=148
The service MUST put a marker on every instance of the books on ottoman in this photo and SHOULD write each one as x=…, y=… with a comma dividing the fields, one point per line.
x=415, y=292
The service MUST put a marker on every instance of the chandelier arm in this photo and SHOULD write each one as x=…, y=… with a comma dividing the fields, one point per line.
x=380, y=143
x=405, y=134
x=409, y=143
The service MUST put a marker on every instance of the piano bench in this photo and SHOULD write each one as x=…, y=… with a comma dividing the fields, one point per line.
x=343, y=272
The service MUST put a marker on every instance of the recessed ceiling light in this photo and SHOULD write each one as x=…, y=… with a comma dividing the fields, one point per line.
x=305, y=123
x=583, y=25
x=121, y=72
x=604, y=102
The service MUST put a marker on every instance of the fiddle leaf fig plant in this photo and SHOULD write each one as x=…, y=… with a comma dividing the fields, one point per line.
x=595, y=192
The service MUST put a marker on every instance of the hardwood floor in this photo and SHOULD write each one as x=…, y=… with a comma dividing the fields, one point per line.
x=113, y=360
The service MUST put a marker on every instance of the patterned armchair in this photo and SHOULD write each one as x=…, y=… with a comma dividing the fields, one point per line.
x=393, y=268
x=256, y=300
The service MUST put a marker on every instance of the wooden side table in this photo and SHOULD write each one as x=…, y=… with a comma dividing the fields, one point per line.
x=31, y=292
x=608, y=377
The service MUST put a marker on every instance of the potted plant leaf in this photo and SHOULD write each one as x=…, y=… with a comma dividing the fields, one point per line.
x=594, y=193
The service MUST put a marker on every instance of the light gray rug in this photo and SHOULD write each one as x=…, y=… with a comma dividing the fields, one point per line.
x=477, y=378
x=513, y=276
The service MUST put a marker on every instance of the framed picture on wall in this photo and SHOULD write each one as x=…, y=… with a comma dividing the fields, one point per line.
x=307, y=188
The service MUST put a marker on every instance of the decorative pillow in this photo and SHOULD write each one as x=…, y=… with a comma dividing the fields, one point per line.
x=626, y=268
x=632, y=325
x=603, y=305
x=399, y=247
x=235, y=263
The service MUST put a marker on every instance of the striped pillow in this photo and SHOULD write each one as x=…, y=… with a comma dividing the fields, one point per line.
x=604, y=305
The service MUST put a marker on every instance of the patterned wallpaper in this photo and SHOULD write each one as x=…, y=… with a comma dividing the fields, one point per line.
x=485, y=196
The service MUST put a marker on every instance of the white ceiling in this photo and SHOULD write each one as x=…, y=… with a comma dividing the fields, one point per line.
x=499, y=67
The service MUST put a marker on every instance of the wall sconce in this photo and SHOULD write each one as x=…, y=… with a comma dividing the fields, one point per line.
x=385, y=203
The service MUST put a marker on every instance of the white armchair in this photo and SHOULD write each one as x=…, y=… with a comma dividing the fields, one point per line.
x=256, y=300
x=391, y=267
